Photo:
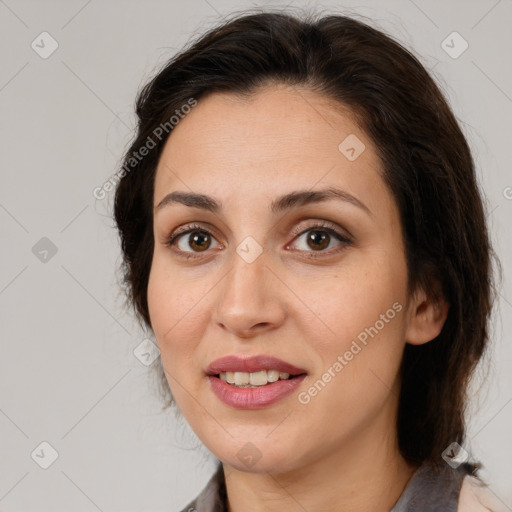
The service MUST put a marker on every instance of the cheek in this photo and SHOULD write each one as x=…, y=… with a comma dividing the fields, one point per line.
x=358, y=332
x=176, y=312
x=354, y=298
x=176, y=319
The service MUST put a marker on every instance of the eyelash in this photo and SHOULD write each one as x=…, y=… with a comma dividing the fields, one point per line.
x=321, y=226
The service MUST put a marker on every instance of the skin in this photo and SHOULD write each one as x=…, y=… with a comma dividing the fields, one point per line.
x=339, y=451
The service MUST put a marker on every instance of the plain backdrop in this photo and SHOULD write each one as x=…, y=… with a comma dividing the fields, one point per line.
x=69, y=375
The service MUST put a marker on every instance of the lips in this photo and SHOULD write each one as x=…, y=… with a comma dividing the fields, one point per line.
x=251, y=364
x=253, y=397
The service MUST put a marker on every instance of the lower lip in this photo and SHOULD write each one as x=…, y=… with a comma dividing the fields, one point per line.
x=254, y=398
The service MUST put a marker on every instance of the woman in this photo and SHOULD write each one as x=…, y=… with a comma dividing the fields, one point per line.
x=303, y=233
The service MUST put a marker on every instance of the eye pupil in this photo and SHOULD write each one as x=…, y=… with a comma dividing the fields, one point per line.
x=313, y=237
x=198, y=238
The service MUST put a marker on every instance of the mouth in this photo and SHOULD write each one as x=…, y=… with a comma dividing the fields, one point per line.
x=253, y=371
x=253, y=382
x=254, y=379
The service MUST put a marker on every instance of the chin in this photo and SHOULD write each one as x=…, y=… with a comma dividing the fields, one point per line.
x=257, y=455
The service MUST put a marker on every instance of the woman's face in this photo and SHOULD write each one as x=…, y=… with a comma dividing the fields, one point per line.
x=263, y=280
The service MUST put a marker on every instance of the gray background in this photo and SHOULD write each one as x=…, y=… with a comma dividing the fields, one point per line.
x=68, y=374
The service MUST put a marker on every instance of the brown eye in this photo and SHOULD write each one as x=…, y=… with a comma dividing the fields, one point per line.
x=191, y=241
x=200, y=241
x=318, y=239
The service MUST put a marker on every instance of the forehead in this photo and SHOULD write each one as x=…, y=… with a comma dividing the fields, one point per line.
x=278, y=137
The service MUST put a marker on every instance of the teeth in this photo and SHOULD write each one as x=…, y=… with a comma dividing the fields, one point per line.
x=253, y=379
x=272, y=375
x=241, y=378
x=258, y=378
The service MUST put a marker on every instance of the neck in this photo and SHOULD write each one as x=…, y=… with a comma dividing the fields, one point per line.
x=367, y=474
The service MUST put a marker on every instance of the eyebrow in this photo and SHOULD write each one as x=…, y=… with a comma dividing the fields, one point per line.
x=283, y=203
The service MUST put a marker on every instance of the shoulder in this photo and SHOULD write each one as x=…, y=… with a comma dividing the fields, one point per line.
x=474, y=496
x=212, y=497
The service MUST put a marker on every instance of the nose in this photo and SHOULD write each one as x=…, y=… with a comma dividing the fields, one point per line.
x=250, y=299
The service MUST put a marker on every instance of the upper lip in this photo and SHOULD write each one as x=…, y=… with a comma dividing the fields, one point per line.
x=234, y=363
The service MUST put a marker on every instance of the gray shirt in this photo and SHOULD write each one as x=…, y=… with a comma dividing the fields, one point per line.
x=430, y=489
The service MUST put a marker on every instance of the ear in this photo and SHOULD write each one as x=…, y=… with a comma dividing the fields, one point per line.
x=426, y=318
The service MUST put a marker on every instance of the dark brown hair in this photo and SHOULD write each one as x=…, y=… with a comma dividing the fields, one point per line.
x=426, y=162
